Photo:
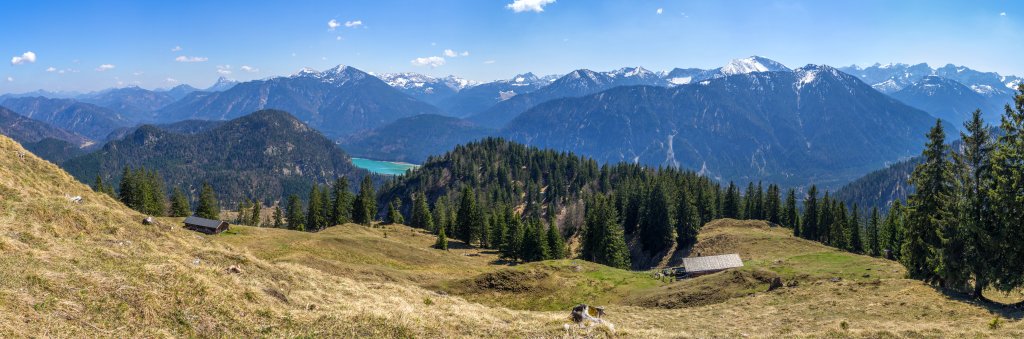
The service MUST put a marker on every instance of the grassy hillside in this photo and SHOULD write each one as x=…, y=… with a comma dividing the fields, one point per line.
x=93, y=270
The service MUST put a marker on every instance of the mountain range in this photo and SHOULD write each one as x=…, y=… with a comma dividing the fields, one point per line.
x=265, y=155
x=89, y=120
x=48, y=142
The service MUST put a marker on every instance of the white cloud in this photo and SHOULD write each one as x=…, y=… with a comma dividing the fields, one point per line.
x=182, y=58
x=1002, y=13
x=337, y=38
x=660, y=10
x=171, y=80
x=176, y=49
x=464, y=53
x=10, y=79
x=138, y=73
x=51, y=69
x=27, y=57
x=105, y=67
x=488, y=62
x=249, y=69
x=519, y=6
x=353, y=23
x=450, y=53
x=432, y=61
x=224, y=69
x=331, y=25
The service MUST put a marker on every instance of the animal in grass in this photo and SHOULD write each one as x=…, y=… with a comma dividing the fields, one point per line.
x=583, y=312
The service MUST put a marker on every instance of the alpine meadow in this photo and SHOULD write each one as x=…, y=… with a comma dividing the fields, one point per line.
x=512, y=169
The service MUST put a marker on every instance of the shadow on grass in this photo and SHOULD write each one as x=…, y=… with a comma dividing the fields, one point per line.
x=1013, y=311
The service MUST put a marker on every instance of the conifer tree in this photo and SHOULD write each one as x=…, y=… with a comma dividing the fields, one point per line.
x=893, y=231
x=209, y=207
x=156, y=204
x=314, y=212
x=254, y=215
x=974, y=208
x=731, y=204
x=773, y=205
x=498, y=228
x=927, y=210
x=656, y=222
x=242, y=217
x=126, y=190
x=513, y=246
x=442, y=240
x=856, y=244
x=295, y=214
x=441, y=212
x=1008, y=183
x=790, y=215
x=421, y=217
x=809, y=222
x=535, y=246
x=556, y=245
x=364, y=209
x=179, y=204
x=687, y=220
x=603, y=239
x=874, y=244
x=393, y=217
x=464, y=226
x=749, y=203
x=341, y=202
x=278, y=216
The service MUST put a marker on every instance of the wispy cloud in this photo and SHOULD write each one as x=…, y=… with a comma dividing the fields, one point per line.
x=105, y=67
x=660, y=10
x=488, y=62
x=353, y=23
x=51, y=69
x=1002, y=13
x=176, y=49
x=520, y=6
x=171, y=80
x=224, y=69
x=182, y=58
x=249, y=69
x=10, y=79
x=27, y=57
x=331, y=25
x=453, y=54
x=432, y=61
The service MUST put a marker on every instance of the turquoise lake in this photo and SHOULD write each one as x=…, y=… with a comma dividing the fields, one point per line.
x=382, y=167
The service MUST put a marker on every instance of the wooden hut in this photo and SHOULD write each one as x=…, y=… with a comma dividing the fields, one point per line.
x=698, y=266
x=205, y=225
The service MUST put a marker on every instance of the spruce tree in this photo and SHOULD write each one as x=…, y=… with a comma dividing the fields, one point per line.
x=442, y=240
x=556, y=244
x=603, y=239
x=179, y=204
x=790, y=214
x=421, y=217
x=295, y=214
x=731, y=204
x=874, y=245
x=364, y=209
x=393, y=217
x=278, y=216
x=341, y=202
x=974, y=209
x=1008, y=183
x=498, y=228
x=126, y=190
x=254, y=215
x=535, y=246
x=927, y=210
x=809, y=222
x=464, y=226
x=314, y=212
x=856, y=244
x=209, y=207
x=656, y=223
x=687, y=220
x=513, y=246
x=772, y=205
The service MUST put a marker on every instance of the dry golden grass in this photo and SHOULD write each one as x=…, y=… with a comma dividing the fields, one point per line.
x=93, y=270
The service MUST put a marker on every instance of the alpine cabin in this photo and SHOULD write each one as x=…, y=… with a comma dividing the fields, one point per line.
x=205, y=225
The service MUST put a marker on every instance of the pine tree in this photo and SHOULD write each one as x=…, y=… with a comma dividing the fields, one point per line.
x=242, y=217
x=441, y=212
x=512, y=248
x=179, y=204
x=731, y=205
x=314, y=212
x=534, y=242
x=341, y=202
x=927, y=210
x=790, y=215
x=855, y=243
x=874, y=244
x=773, y=206
x=421, y=217
x=603, y=239
x=499, y=228
x=655, y=222
x=208, y=207
x=893, y=233
x=278, y=217
x=156, y=202
x=254, y=215
x=126, y=190
x=442, y=240
x=364, y=209
x=749, y=210
x=464, y=226
x=974, y=204
x=556, y=245
x=809, y=222
x=295, y=216
x=1008, y=183
x=393, y=217
x=687, y=220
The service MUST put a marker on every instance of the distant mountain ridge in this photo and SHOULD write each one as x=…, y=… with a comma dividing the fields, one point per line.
x=89, y=120
x=264, y=155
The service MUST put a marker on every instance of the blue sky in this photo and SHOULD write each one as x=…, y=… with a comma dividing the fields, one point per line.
x=149, y=43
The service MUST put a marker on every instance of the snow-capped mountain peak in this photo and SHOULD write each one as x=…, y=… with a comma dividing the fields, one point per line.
x=751, y=65
x=222, y=84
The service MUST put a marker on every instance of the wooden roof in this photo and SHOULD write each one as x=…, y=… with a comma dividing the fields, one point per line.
x=712, y=263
